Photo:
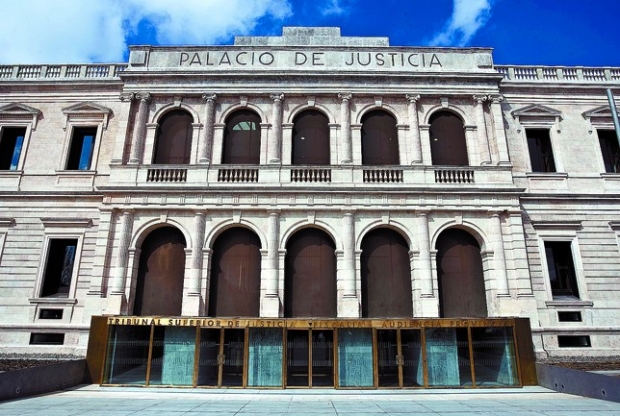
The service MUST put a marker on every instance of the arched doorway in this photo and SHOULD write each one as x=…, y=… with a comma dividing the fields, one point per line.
x=173, y=144
x=310, y=139
x=460, y=275
x=159, y=287
x=386, y=275
x=235, y=274
x=448, y=145
x=242, y=138
x=379, y=139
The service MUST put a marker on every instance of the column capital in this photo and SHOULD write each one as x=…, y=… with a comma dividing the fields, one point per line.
x=277, y=97
x=207, y=96
x=412, y=98
x=479, y=98
x=143, y=96
x=495, y=98
x=127, y=96
x=345, y=96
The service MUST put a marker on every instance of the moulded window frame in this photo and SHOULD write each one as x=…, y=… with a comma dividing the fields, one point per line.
x=559, y=166
x=598, y=128
x=48, y=237
x=25, y=144
x=572, y=238
x=68, y=142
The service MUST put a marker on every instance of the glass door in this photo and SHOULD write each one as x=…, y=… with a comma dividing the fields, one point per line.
x=310, y=358
x=399, y=358
x=222, y=354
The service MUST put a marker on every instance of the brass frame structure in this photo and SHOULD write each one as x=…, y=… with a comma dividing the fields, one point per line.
x=101, y=329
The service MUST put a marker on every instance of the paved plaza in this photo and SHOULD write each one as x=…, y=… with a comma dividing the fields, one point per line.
x=93, y=400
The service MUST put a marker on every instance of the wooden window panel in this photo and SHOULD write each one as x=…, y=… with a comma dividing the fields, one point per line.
x=311, y=139
x=310, y=275
x=242, y=139
x=460, y=276
x=448, y=144
x=379, y=139
x=174, y=138
x=541, y=153
x=159, y=289
x=235, y=274
x=610, y=150
x=386, y=276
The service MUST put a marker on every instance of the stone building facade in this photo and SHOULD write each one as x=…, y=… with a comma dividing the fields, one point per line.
x=486, y=186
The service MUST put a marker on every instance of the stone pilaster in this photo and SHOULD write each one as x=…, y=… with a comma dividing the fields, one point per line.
x=483, y=140
x=123, y=122
x=414, y=128
x=497, y=241
x=270, y=302
x=275, y=144
x=345, y=127
x=349, y=303
x=498, y=127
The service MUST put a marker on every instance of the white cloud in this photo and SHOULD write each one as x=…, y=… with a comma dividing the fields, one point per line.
x=333, y=7
x=467, y=18
x=45, y=31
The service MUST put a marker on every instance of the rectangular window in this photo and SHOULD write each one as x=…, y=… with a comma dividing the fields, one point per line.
x=11, y=142
x=81, y=149
x=574, y=341
x=59, y=268
x=610, y=150
x=541, y=155
x=561, y=269
x=47, y=339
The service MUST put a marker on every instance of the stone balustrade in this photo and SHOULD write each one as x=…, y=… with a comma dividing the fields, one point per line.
x=560, y=74
x=57, y=72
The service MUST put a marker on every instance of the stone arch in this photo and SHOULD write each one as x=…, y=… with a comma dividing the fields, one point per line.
x=465, y=225
x=399, y=227
x=237, y=107
x=143, y=230
x=374, y=107
x=175, y=106
x=299, y=225
x=453, y=109
x=222, y=226
x=305, y=107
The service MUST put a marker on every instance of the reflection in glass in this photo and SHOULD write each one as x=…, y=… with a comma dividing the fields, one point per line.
x=265, y=357
x=232, y=366
x=447, y=352
x=128, y=351
x=322, y=358
x=209, y=354
x=413, y=373
x=387, y=352
x=297, y=358
x=172, y=360
x=355, y=358
x=494, y=357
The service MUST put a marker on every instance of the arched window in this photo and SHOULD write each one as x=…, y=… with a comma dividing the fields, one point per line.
x=379, y=139
x=448, y=146
x=242, y=139
x=460, y=276
x=310, y=275
x=173, y=143
x=235, y=274
x=310, y=139
x=159, y=288
x=386, y=276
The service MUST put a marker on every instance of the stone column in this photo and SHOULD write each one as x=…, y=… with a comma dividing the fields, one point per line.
x=124, y=234
x=123, y=122
x=204, y=154
x=426, y=277
x=498, y=128
x=139, y=129
x=349, y=254
x=345, y=127
x=497, y=241
x=196, y=254
x=414, y=127
x=275, y=143
x=270, y=295
x=483, y=140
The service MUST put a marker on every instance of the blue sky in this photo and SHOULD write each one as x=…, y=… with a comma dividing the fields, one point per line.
x=522, y=32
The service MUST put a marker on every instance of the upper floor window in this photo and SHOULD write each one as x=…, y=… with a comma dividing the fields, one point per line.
x=311, y=139
x=81, y=148
x=11, y=142
x=610, y=150
x=59, y=267
x=562, y=278
x=173, y=143
x=541, y=154
x=242, y=138
x=448, y=144
x=379, y=139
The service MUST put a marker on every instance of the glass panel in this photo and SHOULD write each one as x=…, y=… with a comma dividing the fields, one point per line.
x=387, y=352
x=173, y=356
x=265, y=357
x=128, y=351
x=322, y=358
x=209, y=352
x=494, y=357
x=448, y=357
x=87, y=151
x=413, y=374
x=19, y=141
x=297, y=358
x=355, y=358
x=232, y=368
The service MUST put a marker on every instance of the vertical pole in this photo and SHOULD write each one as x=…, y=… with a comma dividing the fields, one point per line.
x=614, y=112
